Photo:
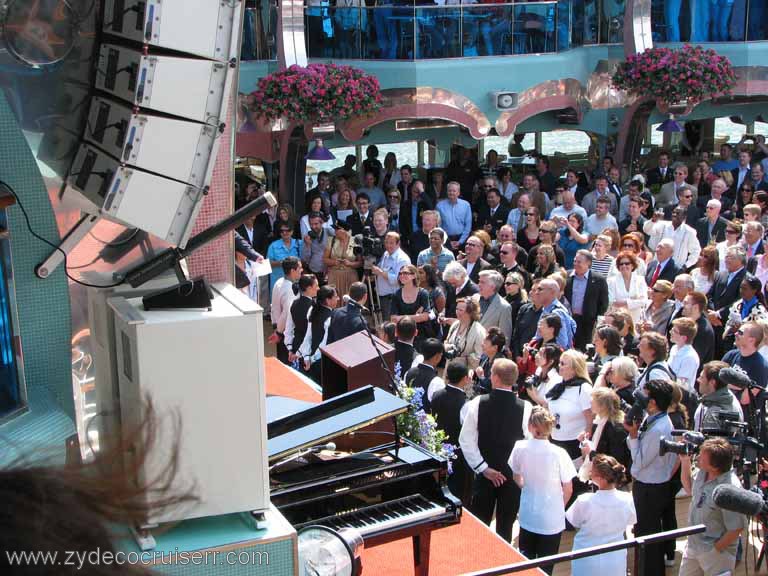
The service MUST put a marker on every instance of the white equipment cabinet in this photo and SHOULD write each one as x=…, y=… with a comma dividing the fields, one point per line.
x=204, y=370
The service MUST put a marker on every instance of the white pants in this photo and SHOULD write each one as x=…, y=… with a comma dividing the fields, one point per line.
x=711, y=563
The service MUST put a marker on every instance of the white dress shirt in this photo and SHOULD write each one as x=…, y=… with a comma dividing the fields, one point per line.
x=687, y=247
x=282, y=298
x=684, y=362
x=469, y=435
x=391, y=264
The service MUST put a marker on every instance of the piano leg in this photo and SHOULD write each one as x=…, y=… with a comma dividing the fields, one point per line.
x=421, y=553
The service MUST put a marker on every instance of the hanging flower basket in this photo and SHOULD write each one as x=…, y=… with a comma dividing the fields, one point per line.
x=317, y=94
x=674, y=77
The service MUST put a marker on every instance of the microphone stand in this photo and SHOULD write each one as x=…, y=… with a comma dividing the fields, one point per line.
x=392, y=381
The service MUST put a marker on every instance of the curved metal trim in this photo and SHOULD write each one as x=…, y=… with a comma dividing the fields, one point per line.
x=544, y=97
x=291, y=45
x=637, y=27
x=422, y=102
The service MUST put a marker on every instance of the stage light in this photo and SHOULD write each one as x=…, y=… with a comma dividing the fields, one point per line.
x=320, y=152
x=326, y=552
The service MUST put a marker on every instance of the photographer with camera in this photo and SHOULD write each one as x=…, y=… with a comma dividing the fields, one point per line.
x=535, y=387
x=651, y=471
x=388, y=270
x=712, y=552
x=313, y=250
x=715, y=398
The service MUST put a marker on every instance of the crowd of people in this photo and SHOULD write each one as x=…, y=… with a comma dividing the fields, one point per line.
x=535, y=313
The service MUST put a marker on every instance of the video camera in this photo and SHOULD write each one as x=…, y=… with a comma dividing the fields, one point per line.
x=370, y=247
x=690, y=444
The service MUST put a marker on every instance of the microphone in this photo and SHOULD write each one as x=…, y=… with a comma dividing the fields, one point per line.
x=738, y=378
x=735, y=499
x=346, y=299
x=331, y=446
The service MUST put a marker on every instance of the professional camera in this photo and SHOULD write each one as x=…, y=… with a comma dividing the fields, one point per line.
x=370, y=247
x=689, y=445
x=634, y=413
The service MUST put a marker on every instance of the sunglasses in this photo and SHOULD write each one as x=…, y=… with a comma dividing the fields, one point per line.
x=688, y=197
x=510, y=283
x=625, y=263
x=505, y=252
x=393, y=197
x=405, y=273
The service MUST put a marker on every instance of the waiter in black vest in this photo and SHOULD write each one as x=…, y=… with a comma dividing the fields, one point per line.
x=494, y=422
x=298, y=319
x=449, y=406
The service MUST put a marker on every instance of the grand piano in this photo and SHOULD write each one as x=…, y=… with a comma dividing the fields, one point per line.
x=388, y=491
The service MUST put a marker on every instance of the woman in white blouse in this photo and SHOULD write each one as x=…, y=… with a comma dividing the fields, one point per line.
x=570, y=401
x=544, y=473
x=602, y=518
x=704, y=273
x=732, y=236
x=627, y=289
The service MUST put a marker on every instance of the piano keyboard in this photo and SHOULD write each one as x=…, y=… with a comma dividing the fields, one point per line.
x=385, y=516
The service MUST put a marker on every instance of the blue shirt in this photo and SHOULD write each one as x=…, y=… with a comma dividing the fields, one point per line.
x=579, y=290
x=725, y=166
x=647, y=466
x=443, y=259
x=278, y=251
x=415, y=217
x=391, y=264
x=568, y=329
x=456, y=218
x=515, y=215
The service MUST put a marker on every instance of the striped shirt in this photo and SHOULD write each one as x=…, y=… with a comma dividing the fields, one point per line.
x=602, y=267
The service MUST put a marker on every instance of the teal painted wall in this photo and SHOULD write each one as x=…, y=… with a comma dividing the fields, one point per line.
x=43, y=305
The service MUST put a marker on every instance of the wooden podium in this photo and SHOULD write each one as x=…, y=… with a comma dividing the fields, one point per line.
x=352, y=363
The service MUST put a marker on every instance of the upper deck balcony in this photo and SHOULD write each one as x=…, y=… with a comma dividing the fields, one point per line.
x=399, y=30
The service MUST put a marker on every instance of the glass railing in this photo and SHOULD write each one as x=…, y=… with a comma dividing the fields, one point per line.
x=422, y=32
x=259, y=40
x=402, y=30
x=709, y=21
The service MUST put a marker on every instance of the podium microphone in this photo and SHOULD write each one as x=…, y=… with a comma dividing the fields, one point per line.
x=346, y=299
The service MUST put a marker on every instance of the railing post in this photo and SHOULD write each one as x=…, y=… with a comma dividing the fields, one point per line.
x=639, y=560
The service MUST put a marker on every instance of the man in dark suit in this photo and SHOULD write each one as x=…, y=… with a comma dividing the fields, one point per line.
x=419, y=241
x=572, y=183
x=405, y=353
x=727, y=286
x=411, y=212
x=742, y=173
x=361, y=217
x=588, y=295
x=349, y=320
x=711, y=228
x=757, y=175
x=753, y=239
x=474, y=262
x=662, y=174
x=494, y=214
x=662, y=267
x=457, y=285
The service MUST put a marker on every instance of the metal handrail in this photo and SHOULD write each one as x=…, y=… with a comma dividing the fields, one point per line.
x=640, y=542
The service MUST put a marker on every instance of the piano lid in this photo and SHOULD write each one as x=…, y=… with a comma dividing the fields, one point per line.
x=327, y=420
